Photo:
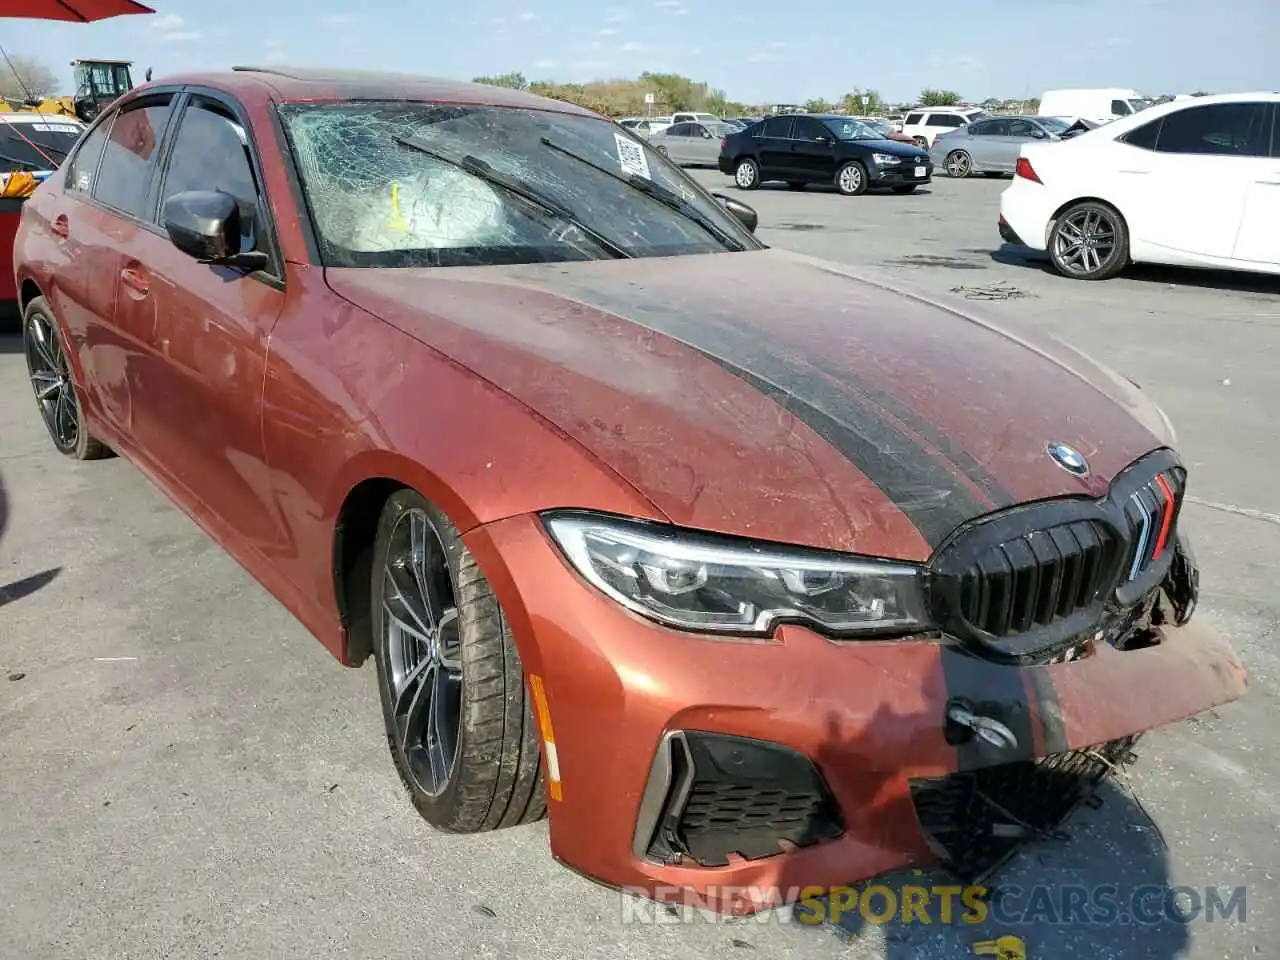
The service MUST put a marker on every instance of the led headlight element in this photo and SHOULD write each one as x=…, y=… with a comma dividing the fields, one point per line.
x=696, y=581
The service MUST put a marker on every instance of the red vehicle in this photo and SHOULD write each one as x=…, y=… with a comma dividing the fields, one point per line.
x=742, y=568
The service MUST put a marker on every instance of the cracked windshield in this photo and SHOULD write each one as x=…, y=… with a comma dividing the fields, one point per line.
x=652, y=480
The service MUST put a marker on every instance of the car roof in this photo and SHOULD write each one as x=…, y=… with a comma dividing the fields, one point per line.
x=25, y=117
x=284, y=84
x=1134, y=120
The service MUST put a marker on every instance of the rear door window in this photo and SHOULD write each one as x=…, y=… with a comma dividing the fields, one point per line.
x=778, y=127
x=1219, y=129
x=130, y=155
x=912, y=120
x=84, y=165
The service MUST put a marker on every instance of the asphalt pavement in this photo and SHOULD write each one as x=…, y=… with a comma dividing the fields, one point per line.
x=185, y=772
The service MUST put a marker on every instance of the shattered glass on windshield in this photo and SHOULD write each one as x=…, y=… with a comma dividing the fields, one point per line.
x=379, y=197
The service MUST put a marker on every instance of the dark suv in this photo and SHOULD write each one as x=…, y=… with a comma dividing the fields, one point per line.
x=809, y=148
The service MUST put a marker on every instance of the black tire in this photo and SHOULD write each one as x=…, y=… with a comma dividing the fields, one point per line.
x=496, y=777
x=663, y=151
x=795, y=185
x=906, y=188
x=54, y=386
x=851, y=179
x=746, y=174
x=920, y=142
x=1110, y=247
x=958, y=164
x=992, y=176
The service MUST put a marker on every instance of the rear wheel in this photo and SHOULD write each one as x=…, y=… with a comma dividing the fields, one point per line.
x=746, y=174
x=920, y=142
x=55, y=387
x=452, y=687
x=1089, y=241
x=959, y=164
x=851, y=179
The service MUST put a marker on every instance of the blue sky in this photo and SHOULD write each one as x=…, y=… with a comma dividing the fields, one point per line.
x=743, y=46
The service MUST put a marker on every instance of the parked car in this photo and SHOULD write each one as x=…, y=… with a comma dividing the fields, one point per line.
x=991, y=147
x=923, y=125
x=810, y=148
x=692, y=144
x=1100, y=105
x=691, y=117
x=32, y=145
x=747, y=121
x=1192, y=183
x=885, y=129
x=726, y=559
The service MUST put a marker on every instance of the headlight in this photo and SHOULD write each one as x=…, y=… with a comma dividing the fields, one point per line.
x=885, y=158
x=696, y=581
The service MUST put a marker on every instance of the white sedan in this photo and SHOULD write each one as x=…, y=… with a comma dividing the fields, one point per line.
x=1192, y=183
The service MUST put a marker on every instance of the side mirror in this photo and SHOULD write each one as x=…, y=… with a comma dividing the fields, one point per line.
x=706, y=135
x=744, y=214
x=148, y=77
x=205, y=224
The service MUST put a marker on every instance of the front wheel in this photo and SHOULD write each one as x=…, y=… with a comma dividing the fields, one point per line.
x=851, y=179
x=1089, y=241
x=452, y=686
x=746, y=175
x=959, y=164
x=921, y=142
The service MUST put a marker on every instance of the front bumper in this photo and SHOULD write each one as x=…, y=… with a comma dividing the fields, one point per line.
x=817, y=763
x=895, y=175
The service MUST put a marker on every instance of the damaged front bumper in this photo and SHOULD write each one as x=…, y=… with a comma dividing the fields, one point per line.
x=698, y=770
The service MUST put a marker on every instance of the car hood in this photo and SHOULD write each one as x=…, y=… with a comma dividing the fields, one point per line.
x=774, y=395
x=895, y=148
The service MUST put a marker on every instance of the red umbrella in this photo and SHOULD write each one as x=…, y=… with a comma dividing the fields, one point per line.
x=74, y=11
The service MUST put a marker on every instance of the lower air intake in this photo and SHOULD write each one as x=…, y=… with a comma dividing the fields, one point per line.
x=976, y=820
x=712, y=796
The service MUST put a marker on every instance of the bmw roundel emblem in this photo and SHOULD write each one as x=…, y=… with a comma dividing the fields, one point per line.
x=1069, y=459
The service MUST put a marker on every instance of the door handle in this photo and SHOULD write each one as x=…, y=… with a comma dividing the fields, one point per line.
x=60, y=227
x=134, y=280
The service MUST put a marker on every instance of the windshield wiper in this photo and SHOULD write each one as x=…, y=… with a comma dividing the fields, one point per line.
x=650, y=189
x=543, y=204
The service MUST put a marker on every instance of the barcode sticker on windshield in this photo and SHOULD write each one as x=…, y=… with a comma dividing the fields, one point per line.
x=631, y=157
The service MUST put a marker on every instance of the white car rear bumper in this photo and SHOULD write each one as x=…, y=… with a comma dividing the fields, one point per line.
x=1027, y=209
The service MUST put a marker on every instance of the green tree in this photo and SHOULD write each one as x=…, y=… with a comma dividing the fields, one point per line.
x=851, y=103
x=515, y=81
x=939, y=98
x=23, y=77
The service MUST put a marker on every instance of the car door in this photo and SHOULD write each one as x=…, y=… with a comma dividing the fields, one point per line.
x=979, y=141
x=1259, y=238
x=813, y=149
x=774, y=142
x=1187, y=194
x=701, y=148
x=676, y=138
x=1006, y=148
x=110, y=219
x=209, y=326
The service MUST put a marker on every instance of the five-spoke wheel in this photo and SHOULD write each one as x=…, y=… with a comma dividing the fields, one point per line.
x=54, y=385
x=1089, y=241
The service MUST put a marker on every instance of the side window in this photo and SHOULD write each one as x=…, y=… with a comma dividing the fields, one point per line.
x=1220, y=129
x=211, y=152
x=912, y=120
x=778, y=127
x=696, y=130
x=1120, y=108
x=952, y=120
x=129, y=157
x=1144, y=136
x=85, y=162
x=810, y=130
x=1021, y=128
x=678, y=130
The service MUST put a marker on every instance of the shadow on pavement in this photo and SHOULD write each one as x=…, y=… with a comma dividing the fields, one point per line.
x=1018, y=256
x=10, y=592
x=10, y=339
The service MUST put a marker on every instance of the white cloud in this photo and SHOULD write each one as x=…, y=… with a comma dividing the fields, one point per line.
x=173, y=28
x=681, y=11
x=607, y=31
x=498, y=21
x=526, y=16
x=546, y=64
x=769, y=58
x=633, y=47
x=619, y=16
x=336, y=20
x=778, y=45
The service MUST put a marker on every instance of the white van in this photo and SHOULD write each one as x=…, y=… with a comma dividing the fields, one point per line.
x=1101, y=105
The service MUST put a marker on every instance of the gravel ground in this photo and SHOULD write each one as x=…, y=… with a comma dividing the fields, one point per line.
x=186, y=773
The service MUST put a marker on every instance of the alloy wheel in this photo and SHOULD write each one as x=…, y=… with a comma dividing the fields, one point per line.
x=423, y=651
x=851, y=178
x=51, y=380
x=958, y=164
x=745, y=175
x=1084, y=241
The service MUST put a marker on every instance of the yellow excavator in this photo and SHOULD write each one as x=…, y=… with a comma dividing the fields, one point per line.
x=98, y=83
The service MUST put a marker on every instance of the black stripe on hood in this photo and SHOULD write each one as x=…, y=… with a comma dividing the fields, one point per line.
x=933, y=493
